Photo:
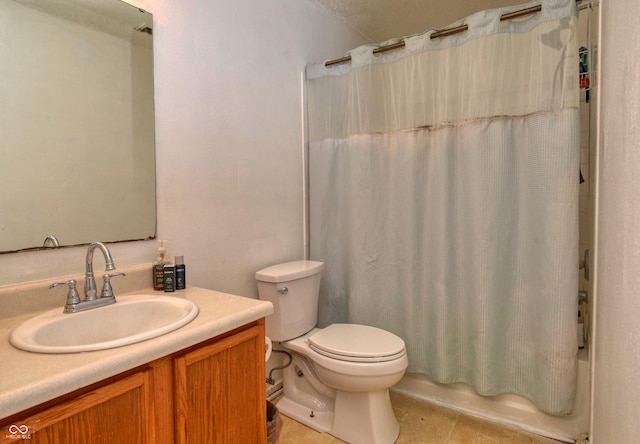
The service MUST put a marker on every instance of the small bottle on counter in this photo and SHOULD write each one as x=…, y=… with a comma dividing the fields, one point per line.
x=169, y=278
x=181, y=276
x=158, y=268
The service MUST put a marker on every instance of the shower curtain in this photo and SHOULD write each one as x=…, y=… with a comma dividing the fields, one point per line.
x=443, y=185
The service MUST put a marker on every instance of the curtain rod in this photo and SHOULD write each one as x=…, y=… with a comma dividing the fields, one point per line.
x=442, y=33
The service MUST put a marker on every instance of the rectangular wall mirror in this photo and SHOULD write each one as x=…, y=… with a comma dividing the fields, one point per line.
x=76, y=123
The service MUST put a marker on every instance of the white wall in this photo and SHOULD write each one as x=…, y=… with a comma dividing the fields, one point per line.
x=617, y=338
x=229, y=129
x=228, y=139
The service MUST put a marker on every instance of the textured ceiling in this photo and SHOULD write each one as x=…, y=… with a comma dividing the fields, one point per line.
x=380, y=20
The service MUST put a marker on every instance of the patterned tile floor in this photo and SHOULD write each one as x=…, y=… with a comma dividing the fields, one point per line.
x=422, y=423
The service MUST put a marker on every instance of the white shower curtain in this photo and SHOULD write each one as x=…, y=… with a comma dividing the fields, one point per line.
x=444, y=200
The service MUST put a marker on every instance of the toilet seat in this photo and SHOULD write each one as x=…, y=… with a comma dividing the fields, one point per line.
x=357, y=343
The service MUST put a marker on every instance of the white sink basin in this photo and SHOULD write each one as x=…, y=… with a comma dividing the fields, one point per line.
x=131, y=319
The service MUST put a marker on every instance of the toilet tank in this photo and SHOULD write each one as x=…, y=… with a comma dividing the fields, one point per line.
x=293, y=289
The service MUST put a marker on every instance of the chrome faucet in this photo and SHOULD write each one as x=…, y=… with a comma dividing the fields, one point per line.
x=90, y=292
x=91, y=299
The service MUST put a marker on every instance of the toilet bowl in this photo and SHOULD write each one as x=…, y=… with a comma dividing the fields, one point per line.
x=353, y=372
x=339, y=378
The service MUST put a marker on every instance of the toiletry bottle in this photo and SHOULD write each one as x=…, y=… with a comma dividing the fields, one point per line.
x=181, y=277
x=158, y=268
x=169, y=277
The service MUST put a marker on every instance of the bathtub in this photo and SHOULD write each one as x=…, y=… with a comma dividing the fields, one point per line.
x=507, y=409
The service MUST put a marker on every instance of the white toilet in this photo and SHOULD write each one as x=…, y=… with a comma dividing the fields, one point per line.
x=339, y=378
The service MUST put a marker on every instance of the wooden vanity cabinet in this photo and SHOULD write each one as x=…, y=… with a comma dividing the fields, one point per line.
x=222, y=408
x=209, y=393
x=117, y=411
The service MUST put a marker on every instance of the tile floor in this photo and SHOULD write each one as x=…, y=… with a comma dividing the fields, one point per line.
x=422, y=423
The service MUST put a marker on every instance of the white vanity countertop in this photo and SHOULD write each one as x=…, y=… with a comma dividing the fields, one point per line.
x=28, y=379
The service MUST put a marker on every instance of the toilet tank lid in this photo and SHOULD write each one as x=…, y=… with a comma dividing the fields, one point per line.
x=289, y=271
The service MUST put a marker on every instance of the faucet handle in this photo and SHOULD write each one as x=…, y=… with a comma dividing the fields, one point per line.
x=73, y=298
x=107, y=291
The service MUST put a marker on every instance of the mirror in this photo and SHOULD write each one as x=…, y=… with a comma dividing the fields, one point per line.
x=76, y=123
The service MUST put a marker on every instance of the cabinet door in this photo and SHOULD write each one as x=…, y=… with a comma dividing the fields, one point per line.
x=220, y=391
x=118, y=412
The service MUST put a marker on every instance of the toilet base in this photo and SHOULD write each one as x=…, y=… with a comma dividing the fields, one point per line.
x=359, y=418
x=319, y=421
x=365, y=418
x=354, y=417
x=306, y=399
